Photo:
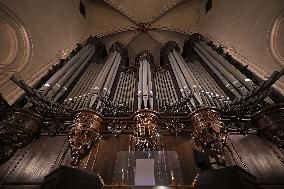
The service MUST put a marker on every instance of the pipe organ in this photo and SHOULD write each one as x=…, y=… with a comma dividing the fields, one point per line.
x=125, y=90
x=145, y=86
x=99, y=106
x=165, y=91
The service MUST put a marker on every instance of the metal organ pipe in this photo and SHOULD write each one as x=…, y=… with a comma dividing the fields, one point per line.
x=204, y=84
x=151, y=101
x=50, y=83
x=195, y=87
x=106, y=77
x=177, y=76
x=223, y=79
x=172, y=89
x=232, y=80
x=145, y=83
x=92, y=75
x=59, y=84
x=144, y=98
x=184, y=77
x=97, y=86
x=140, y=79
x=73, y=77
x=185, y=87
x=187, y=76
x=235, y=72
x=111, y=75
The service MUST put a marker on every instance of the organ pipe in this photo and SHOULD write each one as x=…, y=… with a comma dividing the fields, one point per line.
x=247, y=84
x=51, y=82
x=59, y=84
x=73, y=77
x=222, y=78
x=231, y=79
x=106, y=77
x=143, y=59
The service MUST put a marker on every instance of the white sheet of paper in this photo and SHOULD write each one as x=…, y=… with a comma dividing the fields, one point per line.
x=144, y=172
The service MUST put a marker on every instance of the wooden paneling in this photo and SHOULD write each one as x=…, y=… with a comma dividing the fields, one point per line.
x=107, y=155
x=34, y=161
x=184, y=147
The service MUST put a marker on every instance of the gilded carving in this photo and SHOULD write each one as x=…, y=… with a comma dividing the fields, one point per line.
x=146, y=130
x=17, y=130
x=209, y=134
x=83, y=134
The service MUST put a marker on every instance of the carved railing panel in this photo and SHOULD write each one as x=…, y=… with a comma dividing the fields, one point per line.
x=17, y=130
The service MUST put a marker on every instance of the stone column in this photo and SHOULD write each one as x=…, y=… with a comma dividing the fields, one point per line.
x=84, y=134
x=146, y=130
x=17, y=130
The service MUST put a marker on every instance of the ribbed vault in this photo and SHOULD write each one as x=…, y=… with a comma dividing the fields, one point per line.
x=143, y=24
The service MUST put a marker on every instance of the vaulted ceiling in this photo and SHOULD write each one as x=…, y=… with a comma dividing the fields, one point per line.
x=143, y=24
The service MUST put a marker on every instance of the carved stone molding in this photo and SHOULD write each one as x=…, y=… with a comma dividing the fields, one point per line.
x=146, y=130
x=84, y=134
x=270, y=121
x=17, y=130
x=209, y=134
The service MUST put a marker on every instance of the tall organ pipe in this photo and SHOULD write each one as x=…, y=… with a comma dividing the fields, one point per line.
x=223, y=79
x=112, y=73
x=143, y=59
x=183, y=76
x=50, y=83
x=59, y=84
x=177, y=76
x=230, y=77
x=106, y=77
x=140, y=79
x=98, y=84
x=73, y=77
x=145, y=82
x=235, y=72
x=151, y=101
x=187, y=76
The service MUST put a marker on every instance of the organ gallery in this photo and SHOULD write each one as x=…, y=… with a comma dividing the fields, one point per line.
x=147, y=105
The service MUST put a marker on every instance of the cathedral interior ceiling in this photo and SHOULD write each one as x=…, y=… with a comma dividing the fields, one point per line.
x=143, y=24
